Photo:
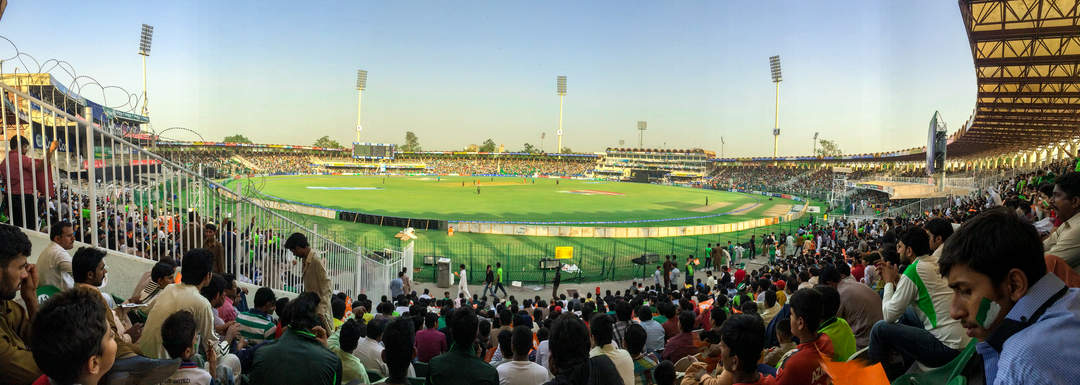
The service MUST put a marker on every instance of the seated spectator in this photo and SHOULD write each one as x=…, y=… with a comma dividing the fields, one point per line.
x=804, y=367
x=257, y=324
x=520, y=371
x=399, y=351
x=1064, y=241
x=771, y=306
x=686, y=343
x=461, y=365
x=664, y=374
x=602, y=329
x=840, y=334
x=570, y=361
x=1004, y=297
x=775, y=354
x=342, y=344
x=337, y=309
x=655, y=332
x=931, y=337
x=88, y=270
x=178, y=338
x=369, y=350
x=430, y=342
x=505, y=345
x=161, y=275
x=860, y=305
x=70, y=352
x=644, y=363
x=306, y=337
x=16, y=277
x=195, y=274
x=55, y=261
x=741, y=340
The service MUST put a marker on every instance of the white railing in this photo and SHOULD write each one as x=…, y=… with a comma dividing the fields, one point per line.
x=121, y=197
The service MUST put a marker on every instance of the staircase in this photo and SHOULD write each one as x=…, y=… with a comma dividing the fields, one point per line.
x=246, y=163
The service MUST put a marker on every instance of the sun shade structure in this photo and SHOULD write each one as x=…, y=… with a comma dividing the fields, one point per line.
x=1027, y=65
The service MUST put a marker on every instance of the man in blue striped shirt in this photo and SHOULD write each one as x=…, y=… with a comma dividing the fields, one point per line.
x=1027, y=322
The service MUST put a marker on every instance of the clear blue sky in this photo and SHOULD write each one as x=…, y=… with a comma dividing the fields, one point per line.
x=868, y=74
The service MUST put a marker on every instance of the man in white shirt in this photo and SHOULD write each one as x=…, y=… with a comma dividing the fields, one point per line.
x=602, y=332
x=463, y=284
x=1064, y=241
x=932, y=337
x=520, y=371
x=195, y=274
x=369, y=350
x=55, y=261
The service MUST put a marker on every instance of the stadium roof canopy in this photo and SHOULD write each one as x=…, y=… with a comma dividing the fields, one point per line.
x=1027, y=67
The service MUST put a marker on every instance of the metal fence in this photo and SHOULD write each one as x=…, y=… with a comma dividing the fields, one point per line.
x=121, y=197
x=596, y=259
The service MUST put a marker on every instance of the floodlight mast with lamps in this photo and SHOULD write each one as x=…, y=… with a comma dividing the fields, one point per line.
x=774, y=67
x=361, y=84
x=144, y=49
x=641, y=126
x=560, y=87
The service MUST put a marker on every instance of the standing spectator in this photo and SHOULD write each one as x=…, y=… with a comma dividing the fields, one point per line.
x=461, y=365
x=213, y=244
x=306, y=337
x=397, y=286
x=195, y=274
x=406, y=282
x=463, y=283
x=668, y=265
x=71, y=352
x=601, y=330
x=1064, y=241
x=430, y=342
x=499, y=278
x=520, y=371
x=313, y=274
x=257, y=325
x=18, y=172
x=1004, y=298
x=556, y=281
x=689, y=270
x=657, y=277
x=489, y=281
x=804, y=367
x=55, y=261
x=399, y=351
x=686, y=342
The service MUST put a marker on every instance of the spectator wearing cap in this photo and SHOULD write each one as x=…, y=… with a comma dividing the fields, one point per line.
x=1027, y=321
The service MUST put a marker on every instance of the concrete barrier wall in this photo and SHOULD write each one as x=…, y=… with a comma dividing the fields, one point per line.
x=125, y=270
x=620, y=232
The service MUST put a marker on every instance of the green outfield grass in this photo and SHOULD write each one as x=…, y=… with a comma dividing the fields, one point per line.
x=519, y=199
x=599, y=259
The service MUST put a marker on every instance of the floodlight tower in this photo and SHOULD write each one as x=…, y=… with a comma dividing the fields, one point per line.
x=361, y=84
x=560, y=88
x=144, y=49
x=774, y=67
x=814, y=150
x=641, y=127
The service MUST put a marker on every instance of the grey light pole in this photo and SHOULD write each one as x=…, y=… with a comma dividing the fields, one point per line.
x=144, y=49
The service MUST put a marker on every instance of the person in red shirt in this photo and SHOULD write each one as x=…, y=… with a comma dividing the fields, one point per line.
x=671, y=326
x=20, y=172
x=805, y=367
x=740, y=275
x=684, y=344
x=859, y=269
x=430, y=342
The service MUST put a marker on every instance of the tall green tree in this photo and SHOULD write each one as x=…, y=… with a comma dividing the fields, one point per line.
x=530, y=149
x=412, y=143
x=827, y=147
x=488, y=146
x=236, y=139
x=326, y=142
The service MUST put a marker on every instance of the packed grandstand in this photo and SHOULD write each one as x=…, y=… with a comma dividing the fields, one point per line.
x=969, y=275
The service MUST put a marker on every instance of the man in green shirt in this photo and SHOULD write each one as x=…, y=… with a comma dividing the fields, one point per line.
x=462, y=365
x=306, y=337
x=708, y=256
x=689, y=270
x=499, y=277
x=838, y=330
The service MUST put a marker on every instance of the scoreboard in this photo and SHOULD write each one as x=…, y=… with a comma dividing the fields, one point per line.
x=373, y=150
